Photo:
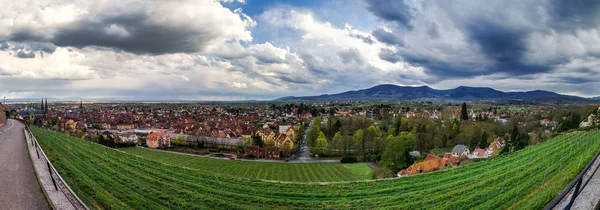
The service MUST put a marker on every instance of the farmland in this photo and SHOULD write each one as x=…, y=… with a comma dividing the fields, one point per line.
x=293, y=172
x=111, y=179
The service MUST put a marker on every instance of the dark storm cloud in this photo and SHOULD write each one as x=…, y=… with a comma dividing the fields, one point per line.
x=4, y=45
x=504, y=45
x=289, y=79
x=573, y=80
x=497, y=37
x=365, y=39
x=27, y=49
x=387, y=37
x=23, y=54
x=129, y=32
x=138, y=36
x=389, y=55
x=575, y=14
x=396, y=11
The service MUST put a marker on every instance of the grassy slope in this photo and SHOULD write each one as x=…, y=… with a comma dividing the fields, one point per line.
x=329, y=172
x=528, y=179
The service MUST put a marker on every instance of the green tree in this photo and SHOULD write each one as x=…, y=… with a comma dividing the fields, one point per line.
x=101, y=140
x=286, y=149
x=522, y=141
x=313, y=134
x=321, y=144
x=359, y=139
x=336, y=142
x=80, y=134
x=371, y=135
x=95, y=138
x=397, y=125
x=455, y=129
x=483, y=142
x=396, y=154
x=257, y=140
x=515, y=132
x=179, y=141
x=463, y=112
x=299, y=133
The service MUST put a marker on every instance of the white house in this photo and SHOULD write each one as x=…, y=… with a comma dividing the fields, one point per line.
x=460, y=150
x=479, y=153
x=128, y=137
x=283, y=128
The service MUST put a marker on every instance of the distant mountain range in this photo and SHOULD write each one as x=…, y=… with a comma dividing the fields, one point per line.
x=462, y=93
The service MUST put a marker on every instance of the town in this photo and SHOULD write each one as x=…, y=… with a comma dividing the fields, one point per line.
x=441, y=134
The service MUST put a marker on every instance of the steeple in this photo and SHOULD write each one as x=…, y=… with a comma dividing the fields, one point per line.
x=81, y=104
x=42, y=107
x=46, y=108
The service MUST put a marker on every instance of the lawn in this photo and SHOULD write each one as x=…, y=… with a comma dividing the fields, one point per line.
x=105, y=178
x=278, y=171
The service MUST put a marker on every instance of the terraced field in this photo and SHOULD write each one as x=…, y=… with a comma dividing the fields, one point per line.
x=111, y=179
x=293, y=172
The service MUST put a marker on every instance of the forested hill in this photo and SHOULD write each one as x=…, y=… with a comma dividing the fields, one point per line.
x=395, y=92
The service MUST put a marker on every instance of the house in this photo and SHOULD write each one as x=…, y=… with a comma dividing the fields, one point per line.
x=128, y=137
x=255, y=150
x=479, y=153
x=454, y=160
x=271, y=152
x=460, y=150
x=431, y=163
x=284, y=128
x=498, y=143
x=592, y=119
x=158, y=140
x=125, y=126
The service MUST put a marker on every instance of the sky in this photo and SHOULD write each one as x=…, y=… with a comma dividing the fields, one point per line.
x=266, y=49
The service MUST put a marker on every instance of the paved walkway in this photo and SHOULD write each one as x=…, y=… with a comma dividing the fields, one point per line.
x=589, y=197
x=19, y=188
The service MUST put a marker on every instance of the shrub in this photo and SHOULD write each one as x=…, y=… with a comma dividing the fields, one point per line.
x=349, y=159
x=124, y=144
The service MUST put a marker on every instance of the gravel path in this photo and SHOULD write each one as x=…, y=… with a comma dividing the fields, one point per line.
x=19, y=188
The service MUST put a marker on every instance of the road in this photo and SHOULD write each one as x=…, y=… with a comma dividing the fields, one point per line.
x=19, y=188
x=304, y=149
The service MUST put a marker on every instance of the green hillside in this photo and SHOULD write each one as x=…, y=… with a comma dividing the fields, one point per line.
x=110, y=179
x=293, y=172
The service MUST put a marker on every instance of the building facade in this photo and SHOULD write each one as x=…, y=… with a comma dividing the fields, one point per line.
x=2, y=114
x=158, y=140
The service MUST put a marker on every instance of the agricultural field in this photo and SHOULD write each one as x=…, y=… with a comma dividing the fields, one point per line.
x=292, y=172
x=110, y=179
